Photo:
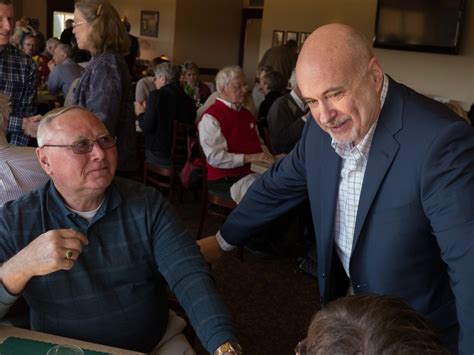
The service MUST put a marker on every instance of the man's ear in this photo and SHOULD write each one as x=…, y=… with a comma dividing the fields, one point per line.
x=376, y=73
x=44, y=161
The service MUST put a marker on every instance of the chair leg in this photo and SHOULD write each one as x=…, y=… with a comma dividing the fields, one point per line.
x=203, y=217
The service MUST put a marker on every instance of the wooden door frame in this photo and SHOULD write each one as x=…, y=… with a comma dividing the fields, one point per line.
x=56, y=5
x=247, y=14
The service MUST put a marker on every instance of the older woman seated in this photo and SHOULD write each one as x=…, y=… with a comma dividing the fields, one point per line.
x=228, y=132
x=196, y=89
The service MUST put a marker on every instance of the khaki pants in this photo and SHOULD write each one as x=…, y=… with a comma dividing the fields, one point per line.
x=173, y=341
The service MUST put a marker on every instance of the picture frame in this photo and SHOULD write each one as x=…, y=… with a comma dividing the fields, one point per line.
x=278, y=37
x=149, y=21
x=291, y=35
x=302, y=38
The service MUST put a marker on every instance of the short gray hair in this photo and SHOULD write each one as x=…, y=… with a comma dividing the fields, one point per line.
x=225, y=75
x=65, y=48
x=168, y=70
x=43, y=127
x=292, y=80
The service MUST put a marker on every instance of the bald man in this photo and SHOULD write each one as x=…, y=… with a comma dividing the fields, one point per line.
x=390, y=178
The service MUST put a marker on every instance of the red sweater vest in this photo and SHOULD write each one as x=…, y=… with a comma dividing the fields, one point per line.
x=238, y=128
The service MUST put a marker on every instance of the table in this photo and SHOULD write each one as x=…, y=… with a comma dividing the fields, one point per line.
x=7, y=331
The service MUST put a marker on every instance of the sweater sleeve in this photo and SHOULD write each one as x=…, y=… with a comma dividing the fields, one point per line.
x=180, y=262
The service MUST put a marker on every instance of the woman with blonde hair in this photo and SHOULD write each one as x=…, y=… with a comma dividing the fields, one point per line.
x=104, y=86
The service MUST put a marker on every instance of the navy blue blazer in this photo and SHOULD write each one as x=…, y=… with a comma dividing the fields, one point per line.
x=414, y=233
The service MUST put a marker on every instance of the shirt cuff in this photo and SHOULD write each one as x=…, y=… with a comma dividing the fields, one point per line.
x=222, y=243
x=6, y=300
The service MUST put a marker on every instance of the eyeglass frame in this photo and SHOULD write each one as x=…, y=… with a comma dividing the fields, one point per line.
x=74, y=145
x=78, y=23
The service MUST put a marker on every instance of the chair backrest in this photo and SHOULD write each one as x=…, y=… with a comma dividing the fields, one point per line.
x=268, y=139
x=179, y=146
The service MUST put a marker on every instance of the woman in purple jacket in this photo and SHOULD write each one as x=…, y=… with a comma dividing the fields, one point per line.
x=105, y=87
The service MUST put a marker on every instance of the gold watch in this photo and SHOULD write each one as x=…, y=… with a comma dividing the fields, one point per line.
x=229, y=347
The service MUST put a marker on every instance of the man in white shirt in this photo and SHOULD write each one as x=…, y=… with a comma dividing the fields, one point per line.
x=20, y=171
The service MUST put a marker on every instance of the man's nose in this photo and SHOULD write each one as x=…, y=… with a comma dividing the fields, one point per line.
x=6, y=24
x=326, y=112
x=97, y=151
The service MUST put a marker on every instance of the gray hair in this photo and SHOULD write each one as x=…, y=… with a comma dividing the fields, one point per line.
x=65, y=48
x=52, y=40
x=188, y=66
x=225, y=75
x=45, y=123
x=5, y=110
x=168, y=70
x=292, y=80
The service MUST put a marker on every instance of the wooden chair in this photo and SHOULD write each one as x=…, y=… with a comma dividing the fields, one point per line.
x=268, y=139
x=166, y=177
x=214, y=202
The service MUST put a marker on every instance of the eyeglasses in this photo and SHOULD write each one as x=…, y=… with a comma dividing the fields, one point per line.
x=78, y=23
x=84, y=146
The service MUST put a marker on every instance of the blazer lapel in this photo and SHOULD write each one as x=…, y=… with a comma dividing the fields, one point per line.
x=328, y=184
x=382, y=153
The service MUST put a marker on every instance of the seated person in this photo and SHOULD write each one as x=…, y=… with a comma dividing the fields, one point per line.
x=228, y=133
x=165, y=105
x=257, y=94
x=20, y=171
x=51, y=45
x=63, y=70
x=272, y=86
x=196, y=89
x=90, y=253
x=370, y=324
x=29, y=46
x=147, y=84
x=286, y=119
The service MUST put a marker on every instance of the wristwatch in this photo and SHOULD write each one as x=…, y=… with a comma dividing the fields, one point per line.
x=229, y=347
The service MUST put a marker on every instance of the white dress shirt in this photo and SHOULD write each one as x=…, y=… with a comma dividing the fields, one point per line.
x=354, y=163
x=20, y=171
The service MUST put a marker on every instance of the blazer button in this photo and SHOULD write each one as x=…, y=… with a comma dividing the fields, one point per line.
x=323, y=275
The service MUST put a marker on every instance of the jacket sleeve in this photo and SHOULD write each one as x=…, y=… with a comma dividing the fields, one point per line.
x=447, y=195
x=277, y=191
x=105, y=93
x=148, y=121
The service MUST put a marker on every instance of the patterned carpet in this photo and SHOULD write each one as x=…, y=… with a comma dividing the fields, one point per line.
x=272, y=303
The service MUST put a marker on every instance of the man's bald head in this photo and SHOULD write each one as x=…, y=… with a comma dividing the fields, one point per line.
x=341, y=81
x=336, y=45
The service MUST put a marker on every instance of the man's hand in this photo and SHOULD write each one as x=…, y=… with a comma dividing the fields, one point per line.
x=30, y=125
x=210, y=249
x=140, y=108
x=259, y=157
x=51, y=251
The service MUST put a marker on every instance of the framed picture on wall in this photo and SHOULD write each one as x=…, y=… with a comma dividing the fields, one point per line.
x=277, y=39
x=291, y=35
x=303, y=36
x=149, y=21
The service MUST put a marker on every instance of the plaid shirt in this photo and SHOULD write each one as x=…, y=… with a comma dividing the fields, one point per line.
x=18, y=75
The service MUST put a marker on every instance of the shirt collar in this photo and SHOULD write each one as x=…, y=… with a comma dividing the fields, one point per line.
x=344, y=150
x=230, y=104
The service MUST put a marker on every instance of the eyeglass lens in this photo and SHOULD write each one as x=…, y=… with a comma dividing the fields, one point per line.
x=85, y=145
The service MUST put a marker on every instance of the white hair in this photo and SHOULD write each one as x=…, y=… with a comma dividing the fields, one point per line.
x=225, y=75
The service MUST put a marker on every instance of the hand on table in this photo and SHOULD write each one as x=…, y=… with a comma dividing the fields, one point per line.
x=259, y=158
x=30, y=125
x=51, y=251
x=210, y=249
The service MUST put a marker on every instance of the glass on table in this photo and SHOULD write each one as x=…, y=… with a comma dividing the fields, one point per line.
x=65, y=350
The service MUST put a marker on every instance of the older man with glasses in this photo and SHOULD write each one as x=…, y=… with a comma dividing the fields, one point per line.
x=90, y=253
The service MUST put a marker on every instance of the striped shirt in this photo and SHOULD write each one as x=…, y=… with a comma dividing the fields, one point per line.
x=354, y=163
x=18, y=76
x=20, y=171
